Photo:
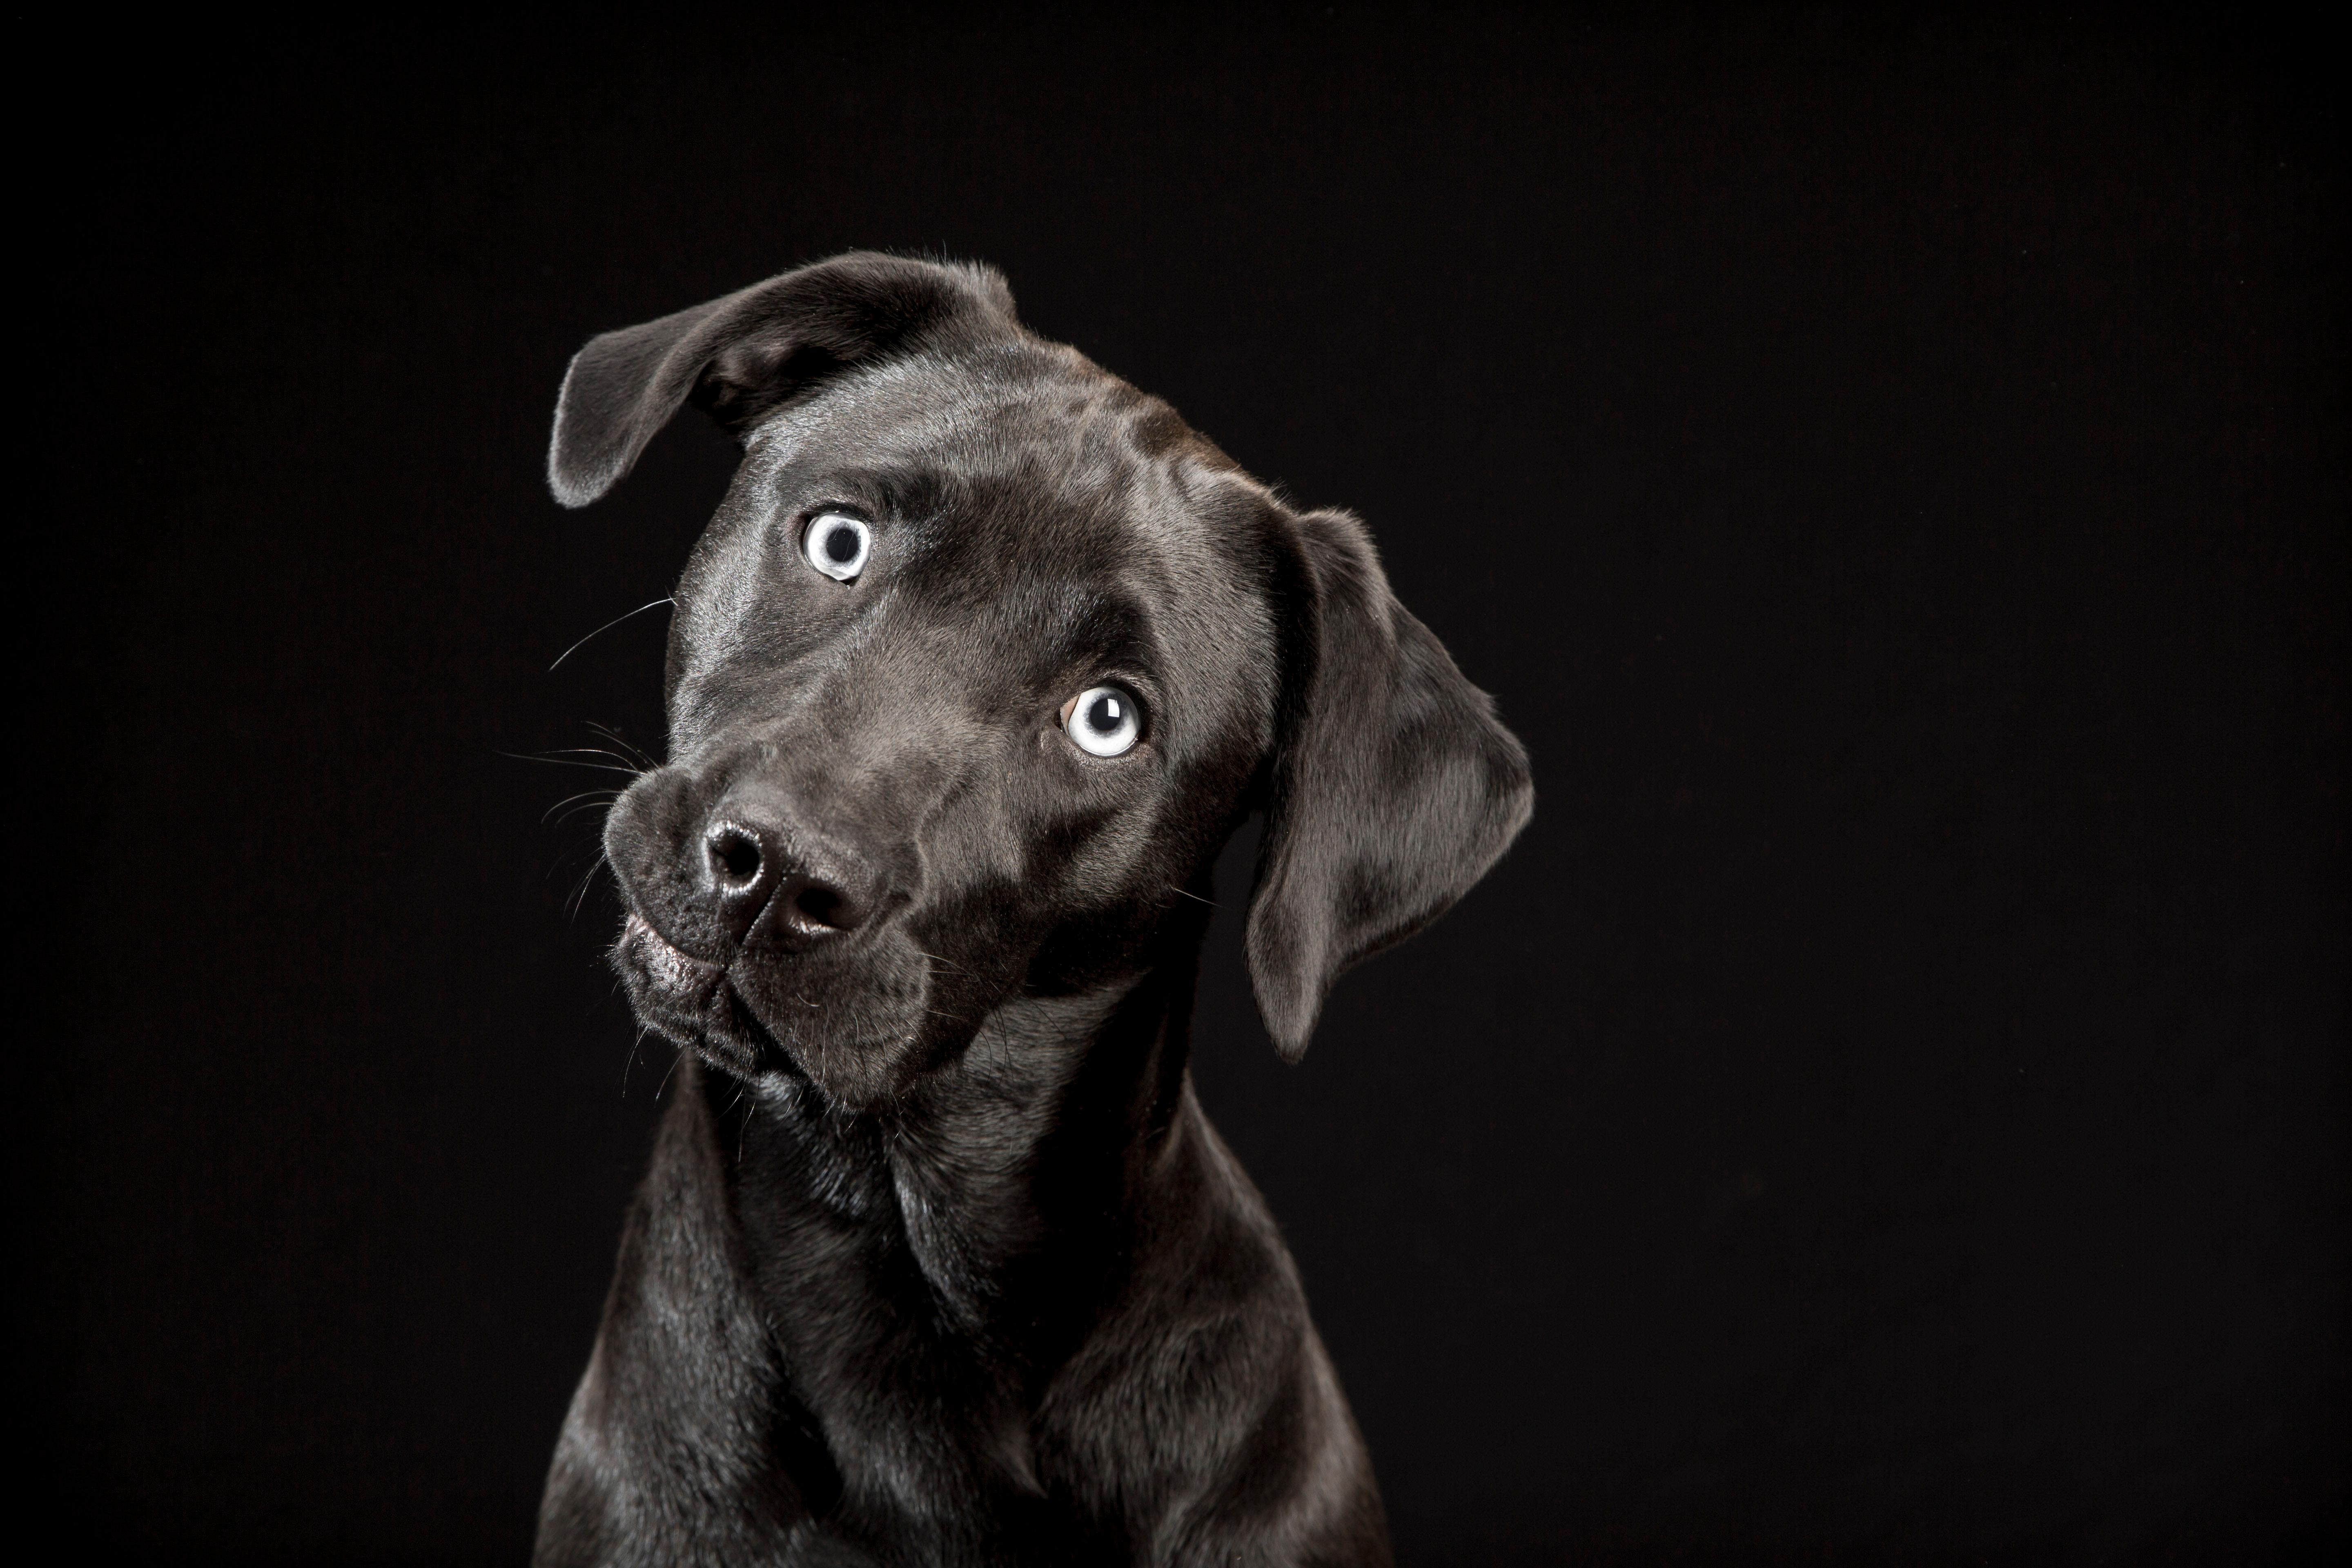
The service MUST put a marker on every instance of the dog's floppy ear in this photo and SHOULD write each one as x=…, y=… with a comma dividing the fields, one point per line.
x=1394, y=787
x=738, y=357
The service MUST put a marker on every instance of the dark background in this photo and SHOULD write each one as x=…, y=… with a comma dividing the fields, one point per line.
x=1891, y=1106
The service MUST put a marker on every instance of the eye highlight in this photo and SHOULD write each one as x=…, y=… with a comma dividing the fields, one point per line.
x=837, y=544
x=1105, y=721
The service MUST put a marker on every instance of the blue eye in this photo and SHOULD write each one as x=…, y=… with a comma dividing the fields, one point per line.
x=1105, y=722
x=836, y=544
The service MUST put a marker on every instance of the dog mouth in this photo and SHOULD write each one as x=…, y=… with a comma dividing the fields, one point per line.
x=692, y=1002
x=855, y=1022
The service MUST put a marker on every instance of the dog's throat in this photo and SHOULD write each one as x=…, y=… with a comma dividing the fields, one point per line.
x=995, y=1192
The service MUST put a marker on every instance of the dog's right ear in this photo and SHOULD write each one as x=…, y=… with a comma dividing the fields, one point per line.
x=740, y=357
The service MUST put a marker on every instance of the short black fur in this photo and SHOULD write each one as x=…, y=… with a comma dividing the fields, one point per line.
x=937, y=1260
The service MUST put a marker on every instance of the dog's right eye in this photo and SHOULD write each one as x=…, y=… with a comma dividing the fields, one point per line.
x=836, y=544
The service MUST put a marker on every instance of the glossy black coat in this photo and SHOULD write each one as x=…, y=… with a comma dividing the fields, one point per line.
x=939, y=1260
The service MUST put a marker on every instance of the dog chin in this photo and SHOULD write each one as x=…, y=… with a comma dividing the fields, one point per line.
x=855, y=1038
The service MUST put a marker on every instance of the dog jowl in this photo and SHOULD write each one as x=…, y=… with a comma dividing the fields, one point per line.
x=981, y=661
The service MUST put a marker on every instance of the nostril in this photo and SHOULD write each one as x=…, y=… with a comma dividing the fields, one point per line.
x=734, y=859
x=820, y=905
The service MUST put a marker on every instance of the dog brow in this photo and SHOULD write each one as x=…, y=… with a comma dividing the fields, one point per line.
x=909, y=492
x=1106, y=624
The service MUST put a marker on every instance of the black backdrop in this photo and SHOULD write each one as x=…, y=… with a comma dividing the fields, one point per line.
x=1891, y=1105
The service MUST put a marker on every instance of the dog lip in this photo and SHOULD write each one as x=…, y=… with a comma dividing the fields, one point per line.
x=676, y=965
x=690, y=999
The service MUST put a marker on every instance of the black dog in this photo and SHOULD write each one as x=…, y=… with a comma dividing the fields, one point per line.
x=982, y=658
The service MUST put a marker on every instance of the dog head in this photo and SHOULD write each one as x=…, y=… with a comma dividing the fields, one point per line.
x=978, y=665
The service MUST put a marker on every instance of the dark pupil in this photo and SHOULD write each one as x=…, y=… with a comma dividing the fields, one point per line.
x=1103, y=716
x=841, y=543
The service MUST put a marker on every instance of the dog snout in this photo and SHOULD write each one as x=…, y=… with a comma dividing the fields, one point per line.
x=758, y=860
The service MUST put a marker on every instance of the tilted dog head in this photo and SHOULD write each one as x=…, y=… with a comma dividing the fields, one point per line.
x=980, y=662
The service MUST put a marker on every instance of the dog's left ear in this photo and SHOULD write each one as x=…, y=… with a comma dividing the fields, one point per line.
x=741, y=356
x=1394, y=786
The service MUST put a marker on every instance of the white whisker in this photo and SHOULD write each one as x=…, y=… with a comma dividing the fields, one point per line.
x=599, y=631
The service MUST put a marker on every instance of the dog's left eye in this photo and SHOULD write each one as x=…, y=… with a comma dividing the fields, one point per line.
x=1104, y=720
x=836, y=544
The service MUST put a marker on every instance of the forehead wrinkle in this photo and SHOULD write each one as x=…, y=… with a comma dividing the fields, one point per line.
x=993, y=414
x=898, y=409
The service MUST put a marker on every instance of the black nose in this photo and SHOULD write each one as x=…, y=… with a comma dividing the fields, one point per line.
x=817, y=889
